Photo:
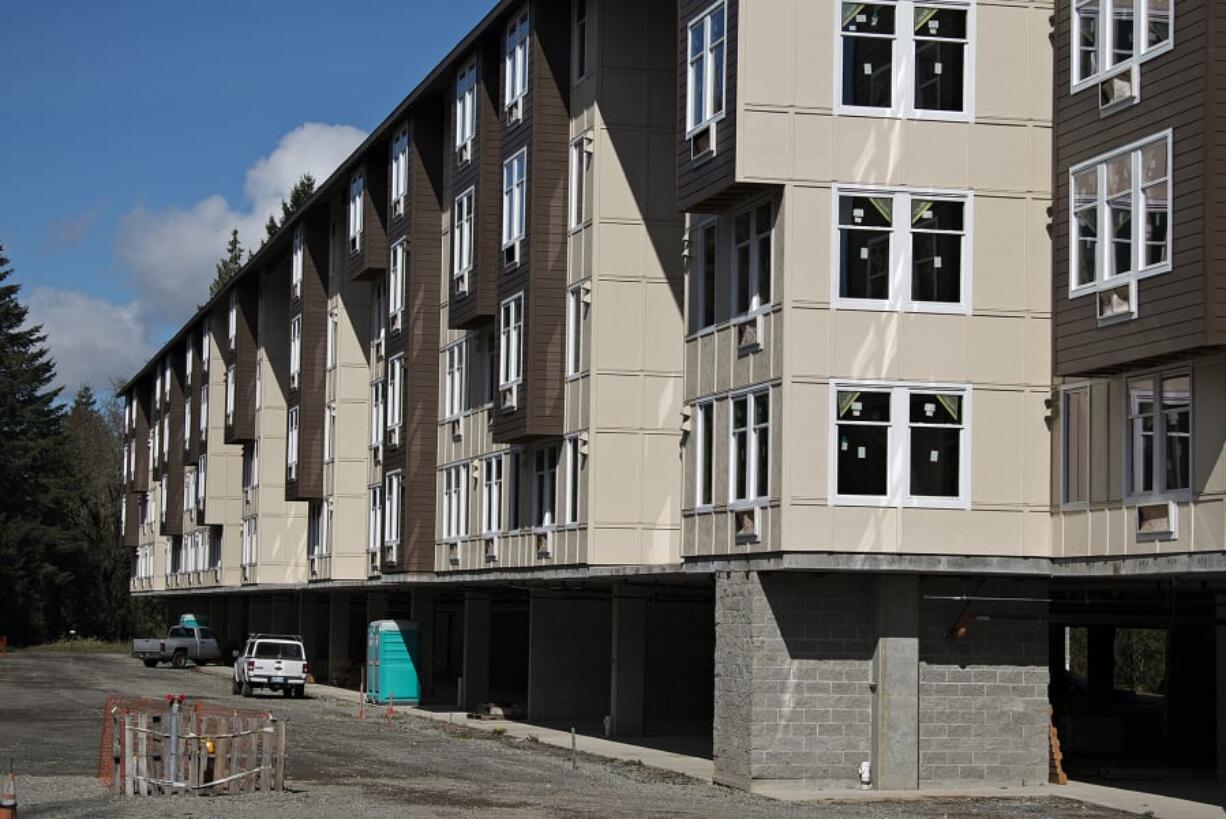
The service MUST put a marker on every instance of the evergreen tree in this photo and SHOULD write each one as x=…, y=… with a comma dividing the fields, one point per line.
x=298, y=195
x=228, y=267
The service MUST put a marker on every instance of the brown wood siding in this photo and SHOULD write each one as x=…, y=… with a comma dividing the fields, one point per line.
x=371, y=257
x=701, y=183
x=1172, y=313
x=311, y=394
x=484, y=174
x=541, y=275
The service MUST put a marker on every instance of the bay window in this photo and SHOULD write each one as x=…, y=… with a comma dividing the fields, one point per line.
x=1159, y=433
x=1112, y=33
x=749, y=446
x=706, y=76
x=462, y=241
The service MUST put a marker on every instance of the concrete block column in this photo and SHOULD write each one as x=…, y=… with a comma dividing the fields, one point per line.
x=476, y=667
x=628, y=664
x=895, y=712
x=423, y=616
x=339, y=665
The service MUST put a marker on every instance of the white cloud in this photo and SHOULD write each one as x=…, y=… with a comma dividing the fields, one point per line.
x=92, y=340
x=172, y=253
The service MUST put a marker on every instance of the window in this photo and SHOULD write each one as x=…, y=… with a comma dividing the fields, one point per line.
x=573, y=460
x=749, y=454
x=455, y=502
x=204, y=357
x=580, y=179
x=295, y=350
x=319, y=528
x=291, y=444
x=900, y=446
x=248, y=470
x=706, y=77
x=356, y=187
x=378, y=315
x=400, y=171
x=1120, y=216
x=232, y=319
x=376, y=414
x=230, y=388
x=902, y=250
x=1134, y=30
x=249, y=542
x=576, y=313
x=491, y=494
x=329, y=433
x=189, y=488
x=702, y=278
x=579, y=41
x=331, y=347
x=295, y=276
x=465, y=110
x=166, y=435
x=514, y=191
x=374, y=526
x=513, y=522
x=462, y=241
x=510, y=360
x=752, y=259
x=187, y=364
x=204, y=411
x=391, y=509
x=166, y=380
x=544, y=486
x=704, y=454
x=162, y=499
x=395, y=369
x=1075, y=435
x=516, y=70
x=1160, y=433
x=906, y=58
x=187, y=422
x=259, y=381
x=455, y=387
x=395, y=279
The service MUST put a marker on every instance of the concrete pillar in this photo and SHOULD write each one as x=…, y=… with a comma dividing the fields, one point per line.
x=340, y=669
x=475, y=678
x=423, y=616
x=896, y=684
x=1100, y=660
x=628, y=664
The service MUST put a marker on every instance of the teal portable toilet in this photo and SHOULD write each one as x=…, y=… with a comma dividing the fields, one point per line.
x=391, y=662
x=189, y=621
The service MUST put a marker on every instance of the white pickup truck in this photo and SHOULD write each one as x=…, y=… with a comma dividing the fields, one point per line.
x=274, y=661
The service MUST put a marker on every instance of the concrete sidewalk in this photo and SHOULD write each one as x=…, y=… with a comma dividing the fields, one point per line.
x=1198, y=801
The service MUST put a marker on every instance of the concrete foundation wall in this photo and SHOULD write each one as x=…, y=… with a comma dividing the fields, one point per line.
x=570, y=645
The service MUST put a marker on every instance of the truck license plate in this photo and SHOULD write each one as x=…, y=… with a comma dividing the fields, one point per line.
x=278, y=679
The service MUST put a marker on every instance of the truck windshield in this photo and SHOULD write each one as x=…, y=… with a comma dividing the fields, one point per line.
x=278, y=651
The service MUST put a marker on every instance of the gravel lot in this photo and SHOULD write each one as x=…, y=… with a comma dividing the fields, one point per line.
x=50, y=718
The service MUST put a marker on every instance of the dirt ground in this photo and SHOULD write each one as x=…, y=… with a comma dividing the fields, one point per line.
x=50, y=721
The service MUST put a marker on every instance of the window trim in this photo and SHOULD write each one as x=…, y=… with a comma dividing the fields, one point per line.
x=519, y=22
x=1160, y=492
x=898, y=495
x=515, y=199
x=576, y=319
x=710, y=118
x=455, y=379
x=460, y=273
x=1063, y=484
x=900, y=300
x=752, y=280
x=393, y=397
x=455, y=522
x=1140, y=56
x=466, y=105
x=903, y=48
x=755, y=500
x=391, y=508
x=698, y=290
x=704, y=456
x=582, y=151
x=505, y=377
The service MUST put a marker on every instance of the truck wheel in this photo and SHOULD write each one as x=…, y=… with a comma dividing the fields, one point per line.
x=235, y=686
x=287, y=691
x=150, y=663
x=246, y=690
x=179, y=660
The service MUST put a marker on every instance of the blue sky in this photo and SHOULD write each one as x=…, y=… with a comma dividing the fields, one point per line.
x=135, y=133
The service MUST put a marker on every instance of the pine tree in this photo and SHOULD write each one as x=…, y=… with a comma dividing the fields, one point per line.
x=228, y=267
x=32, y=473
x=271, y=226
x=298, y=195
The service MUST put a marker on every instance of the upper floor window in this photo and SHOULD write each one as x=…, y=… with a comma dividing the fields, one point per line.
x=295, y=350
x=187, y=422
x=580, y=180
x=516, y=70
x=395, y=278
x=455, y=502
x=462, y=241
x=1120, y=216
x=906, y=58
x=465, y=111
x=291, y=443
x=1075, y=444
x=204, y=410
x=1159, y=433
x=259, y=381
x=378, y=316
x=187, y=362
x=900, y=445
x=391, y=509
x=749, y=446
x=376, y=414
x=752, y=237
x=514, y=205
x=510, y=361
x=232, y=318
x=166, y=380
x=902, y=250
x=374, y=533
x=704, y=460
x=579, y=53
x=400, y=171
x=333, y=328
x=295, y=276
x=204, y=350
x=455, y=397
x=544, y=488
x=395, y=377
x=357, y=184
x=702, y=276
x=1110, y=33
x=706, y=77
x=574, y=469
x=201, y=483
x=576, y=313
x=491, y=495
x=329, y=432
x=230, y=389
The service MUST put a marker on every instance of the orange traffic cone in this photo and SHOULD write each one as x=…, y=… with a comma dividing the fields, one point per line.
x=8, y=797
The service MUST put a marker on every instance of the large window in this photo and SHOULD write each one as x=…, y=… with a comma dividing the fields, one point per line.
x=511, y=351
x=580, y=179
x=376, y=414
x=516, y=69
x=391, y=509
x=704, y=453
x=1075, y=444
x=906, y=58
x=702, y=276
x=1159, y=433
x=491, y=495
x=455, y=383
x=395, y=373
x=295, y=350
x=544, y=486
x=749, y=446
x=900, y=445
x=514, y=200
x=706, y=76
x=400, y=171
x=291, y=443
x=1111, y=33
x=751, y=259
x=356, y=188
x=455, y=502
x=296, y=264
x=902, y=250
x=395, y=278
x=462, y=241
x=1120, y=218
x=576, y=312
x=465, y=111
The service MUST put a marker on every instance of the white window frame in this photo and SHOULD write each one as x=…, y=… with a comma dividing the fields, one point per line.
x=397, y=266
x=455, y=502
x=491, y=495
x=330, y=351
x=295, y=351
x=377, y=393
x=899, y=447
x=462, y=220
x=204, y=410
x=378, y=316
x=582, y=150
x=259, y=380
x=1067, y=390
x=544, y=517
x=752, y=396
x=231, y=388
x=515, y=60
x=455, y=380
x=374, y=521
x=466, y=109
x=187, y=421
x=392, y=486
x=902, y=60
x=291, y=442
x=753, y=281
x=573, y=447
x=187, y=362
x=511, y=348
x=400, y=172
x=1104, y=46
x=704, y=451
x=514, y=198
x=329, y=432
x=357, y=187
x=901, y=251
x=297, y=263
x=1160, y=491
x=394, y=394
x=576, y=319
x=1104, y=247
x=710, y=116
